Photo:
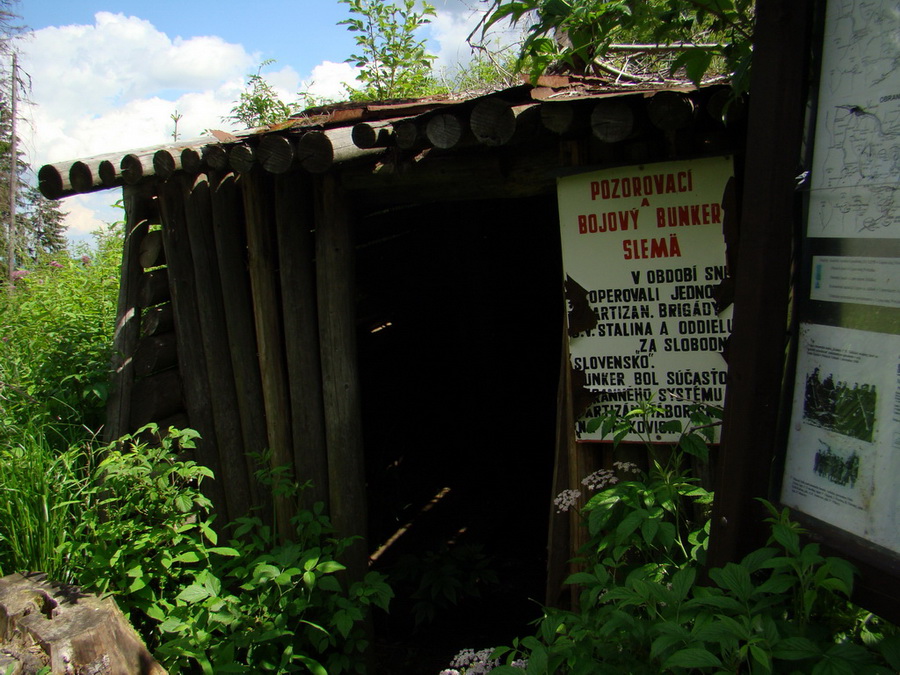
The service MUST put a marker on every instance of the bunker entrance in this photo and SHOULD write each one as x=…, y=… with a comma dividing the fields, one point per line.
x=460, y=319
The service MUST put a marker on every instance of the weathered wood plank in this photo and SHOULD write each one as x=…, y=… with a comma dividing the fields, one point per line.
x=612, y=120
x=139, y=210
x=296, y=256
x=155, y=398
x=216, y=348
x=192, y=361
x=263, y=262
x=318, y=151
x=153, y=287
x=231, y=253
x=155, y=353
x=152, y=254
x=156, y=320
x=340, y=376
x=762, y=281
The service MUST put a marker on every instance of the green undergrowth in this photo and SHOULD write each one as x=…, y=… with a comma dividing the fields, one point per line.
x=643, y=604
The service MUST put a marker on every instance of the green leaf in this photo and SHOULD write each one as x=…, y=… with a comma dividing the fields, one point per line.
x=682, y=581
x=733, y=578
x=890, y=650
x=796, y=649
x=314, y=666
x=693, y=657
x=193, y=593
x=330, y=566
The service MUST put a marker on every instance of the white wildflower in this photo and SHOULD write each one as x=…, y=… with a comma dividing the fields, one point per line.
x=566, y=499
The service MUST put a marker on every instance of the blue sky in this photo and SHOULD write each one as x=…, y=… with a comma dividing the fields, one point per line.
x=108, y=74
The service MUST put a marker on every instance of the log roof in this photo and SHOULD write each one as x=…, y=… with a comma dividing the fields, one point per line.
x=320, y=138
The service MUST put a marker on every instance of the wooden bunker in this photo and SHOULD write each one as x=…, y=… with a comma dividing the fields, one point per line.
x=374, y=293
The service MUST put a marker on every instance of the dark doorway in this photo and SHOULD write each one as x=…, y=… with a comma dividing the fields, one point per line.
x=460, y=315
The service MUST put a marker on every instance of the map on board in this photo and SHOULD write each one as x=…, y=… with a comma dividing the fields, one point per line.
x=854, y=188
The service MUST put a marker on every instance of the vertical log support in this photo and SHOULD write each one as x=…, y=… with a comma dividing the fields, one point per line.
x=263, y=262
x=296, y=257
x=192, y=359
x=762, y=282
x=217, y=350
x=139, y=209
x=231, y=254
x=337, y=338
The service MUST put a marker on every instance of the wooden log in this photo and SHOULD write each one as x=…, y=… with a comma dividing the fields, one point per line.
x=155, y=398
x=612, y=121
x=192, y=360
x=53, y=181
x=156, y=320
x=166, y=163
x=725, y=109
x=409, y=134
x=566, y=118
x=109, y=176
x=139, y=208
x=671, y=110
x=340, y=376
x=523, y=172
x=318, y=151
x=136, y=165
x=559, y=532
x=378, y=134
x=493, y=121
x=191, y=161
x=276, y=153
x=296, y=257
x=84, y=175
x=151, y=254
x=154, y=354
x=751, y=431
x=81, y=176
x=241, y=157
x=231, y=254
x=448, y=130
x=215, y=157
x=216, y=348
x=153, y=287
x=263, y=263
x=77, y=632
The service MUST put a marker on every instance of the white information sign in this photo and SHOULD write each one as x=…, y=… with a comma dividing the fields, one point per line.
x=644, y=253
x=854, y=191
x=844, y=448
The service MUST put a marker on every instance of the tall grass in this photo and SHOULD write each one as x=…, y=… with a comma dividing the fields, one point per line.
x=44, y=494
x=56, y=327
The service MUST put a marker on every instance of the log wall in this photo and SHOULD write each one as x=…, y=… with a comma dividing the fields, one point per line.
x=236, y=310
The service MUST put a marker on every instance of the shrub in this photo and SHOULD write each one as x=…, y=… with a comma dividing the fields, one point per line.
x=56, y=327
x=255, y=605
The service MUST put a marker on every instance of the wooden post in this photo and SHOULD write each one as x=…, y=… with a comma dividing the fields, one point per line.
x=757, y=348
x=192, y=360
x=340, y=377
x=139, y=208
x=216, y=347
x=263, y=260
x=231, y=252
x=296, y=256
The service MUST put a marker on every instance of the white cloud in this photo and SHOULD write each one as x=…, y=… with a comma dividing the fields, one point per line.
x=115, y=84
x=328, y=80
x=86, y=214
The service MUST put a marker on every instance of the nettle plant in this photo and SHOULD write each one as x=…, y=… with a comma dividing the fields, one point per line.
x=642, y=607
x=257, y=604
